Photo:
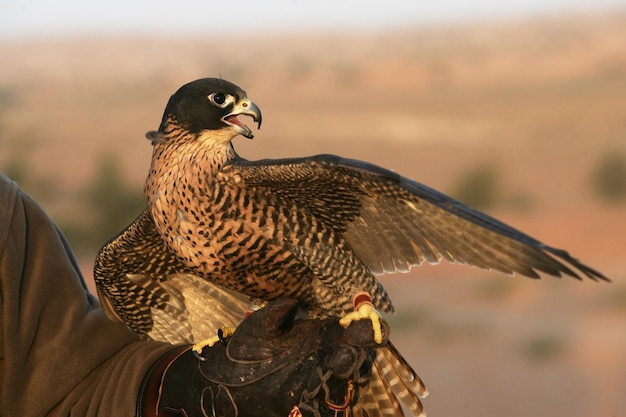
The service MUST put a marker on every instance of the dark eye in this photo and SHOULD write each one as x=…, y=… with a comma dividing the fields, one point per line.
x=218, y=98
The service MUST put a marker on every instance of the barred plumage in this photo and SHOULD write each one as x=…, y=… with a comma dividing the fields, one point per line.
x=316, y=229
x=145, y=286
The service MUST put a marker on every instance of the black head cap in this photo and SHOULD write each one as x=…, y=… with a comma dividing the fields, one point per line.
x=202, y=105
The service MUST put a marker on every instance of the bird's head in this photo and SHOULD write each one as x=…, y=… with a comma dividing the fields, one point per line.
x=209, y=105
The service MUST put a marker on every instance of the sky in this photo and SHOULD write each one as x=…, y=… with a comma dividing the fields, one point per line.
x=43, y=18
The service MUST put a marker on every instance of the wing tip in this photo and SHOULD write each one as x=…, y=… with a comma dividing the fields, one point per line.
x=565, y=259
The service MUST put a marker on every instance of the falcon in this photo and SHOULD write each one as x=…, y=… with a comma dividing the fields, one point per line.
x=220, y=230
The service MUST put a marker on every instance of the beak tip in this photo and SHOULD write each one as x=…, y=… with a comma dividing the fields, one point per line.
x=258, y=116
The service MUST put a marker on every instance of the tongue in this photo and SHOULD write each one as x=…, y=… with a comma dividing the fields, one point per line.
x=245, y=131
x=233, y=120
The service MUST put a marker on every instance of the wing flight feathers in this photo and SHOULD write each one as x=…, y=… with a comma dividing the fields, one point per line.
x=393, y=223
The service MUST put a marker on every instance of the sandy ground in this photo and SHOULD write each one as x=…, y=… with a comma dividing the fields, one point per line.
x=540, y=101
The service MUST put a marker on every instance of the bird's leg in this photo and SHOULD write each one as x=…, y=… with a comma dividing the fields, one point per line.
x=222, y=333
x=364, y=309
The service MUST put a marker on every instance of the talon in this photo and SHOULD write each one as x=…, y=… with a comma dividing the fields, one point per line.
x=222, y=333
x=364, y=309
x=199, y=356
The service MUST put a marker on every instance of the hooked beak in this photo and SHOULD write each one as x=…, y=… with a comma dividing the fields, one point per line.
x=247, y=108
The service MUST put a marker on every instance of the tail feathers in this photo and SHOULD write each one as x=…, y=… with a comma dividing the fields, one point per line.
x=392, y=389
x=402, y=380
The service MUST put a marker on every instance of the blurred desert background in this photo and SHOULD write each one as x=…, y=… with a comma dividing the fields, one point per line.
x=522, y=118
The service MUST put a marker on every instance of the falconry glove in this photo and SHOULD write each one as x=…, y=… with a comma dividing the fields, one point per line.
x=273, y=365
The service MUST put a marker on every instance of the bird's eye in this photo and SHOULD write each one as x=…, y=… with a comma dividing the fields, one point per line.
x=219, y=99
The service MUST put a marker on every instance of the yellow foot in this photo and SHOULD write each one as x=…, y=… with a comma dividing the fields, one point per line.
x=364, y=309
x=222, y=333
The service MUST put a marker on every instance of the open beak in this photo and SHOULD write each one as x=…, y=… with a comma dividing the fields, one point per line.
x=247, y=108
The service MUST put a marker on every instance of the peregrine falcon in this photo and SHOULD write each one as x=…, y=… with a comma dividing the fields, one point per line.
x=316, y=229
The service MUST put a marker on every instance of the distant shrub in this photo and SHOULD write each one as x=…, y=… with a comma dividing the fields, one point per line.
x=8, y=98
x=97, y=213
x=114, y=203
x=608, y=178
x=478, y=187
x=16, y=170
x=544, y=348
x=496, y=288
x=41, y=187
x=110, y=205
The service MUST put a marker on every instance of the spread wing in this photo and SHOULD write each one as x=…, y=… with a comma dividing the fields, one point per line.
x=393, y=223
x=143, y=285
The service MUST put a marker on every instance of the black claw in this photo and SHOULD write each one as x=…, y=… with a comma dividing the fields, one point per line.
x=220, y=336
x=199, y=356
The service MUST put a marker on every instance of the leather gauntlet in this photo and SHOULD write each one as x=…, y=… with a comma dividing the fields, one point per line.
x=273, y=365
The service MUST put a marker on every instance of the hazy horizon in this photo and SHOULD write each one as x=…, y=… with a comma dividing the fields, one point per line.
x=39, y=18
